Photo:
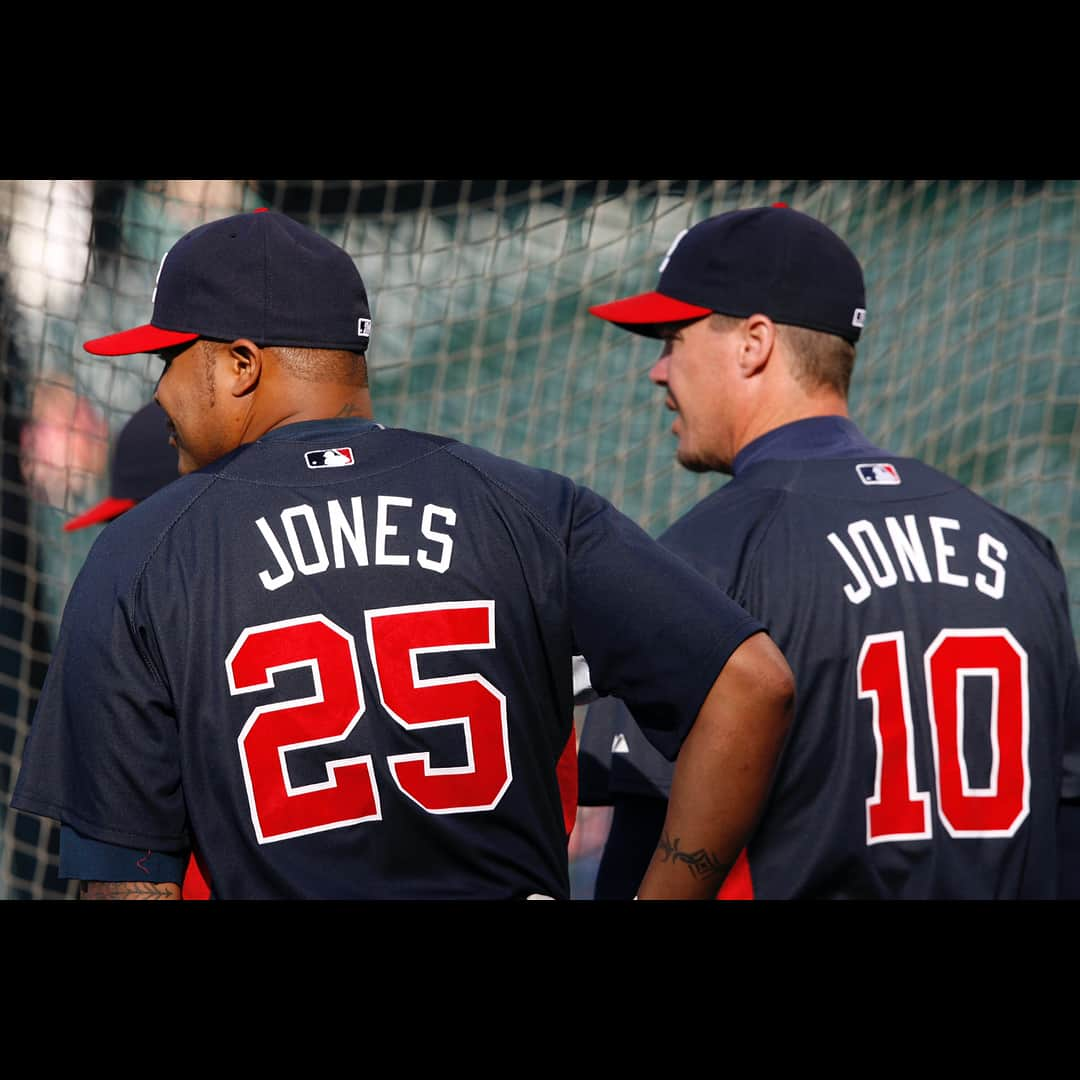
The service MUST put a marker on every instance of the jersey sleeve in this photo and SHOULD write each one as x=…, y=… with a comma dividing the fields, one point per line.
x=91, y=860
x=1067, y=659
x=653, y=631
x=103, y=753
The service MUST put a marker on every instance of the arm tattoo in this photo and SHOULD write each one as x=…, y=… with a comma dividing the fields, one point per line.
x=701, y=863
x=129, y=890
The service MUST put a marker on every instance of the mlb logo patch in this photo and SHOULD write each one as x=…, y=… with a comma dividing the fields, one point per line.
x=878, y=473
x=329, y=459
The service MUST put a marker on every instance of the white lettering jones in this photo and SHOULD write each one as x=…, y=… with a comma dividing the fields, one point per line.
x=310, y=540
x=876, y=556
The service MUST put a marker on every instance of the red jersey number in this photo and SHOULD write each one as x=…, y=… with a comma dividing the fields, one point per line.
x=898, y=810
x=349, y=795
x=396, y=636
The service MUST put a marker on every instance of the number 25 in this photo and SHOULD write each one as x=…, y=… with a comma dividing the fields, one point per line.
x=350, y=794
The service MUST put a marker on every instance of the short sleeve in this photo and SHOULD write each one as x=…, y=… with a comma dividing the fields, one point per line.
x=653, y=631
x=91, y=860
x=103, y=752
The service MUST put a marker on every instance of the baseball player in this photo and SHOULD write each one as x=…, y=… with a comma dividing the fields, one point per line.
x=937, y=720
x=333, y=660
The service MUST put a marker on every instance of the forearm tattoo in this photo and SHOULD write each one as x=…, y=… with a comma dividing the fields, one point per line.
x=701, y=863
x=129, y=890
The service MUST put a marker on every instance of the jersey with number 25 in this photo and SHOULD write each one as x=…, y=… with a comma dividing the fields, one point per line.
x=337, y=663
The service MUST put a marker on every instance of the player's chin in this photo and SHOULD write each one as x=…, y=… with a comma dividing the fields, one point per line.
x=696, y=460
x=692, y=462
x=685, y=454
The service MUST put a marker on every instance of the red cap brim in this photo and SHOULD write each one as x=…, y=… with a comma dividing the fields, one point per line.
x=105, y=510
x=142, y=339
x=639, y=313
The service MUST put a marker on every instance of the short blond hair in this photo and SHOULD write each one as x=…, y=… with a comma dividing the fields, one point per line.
x=818, y=359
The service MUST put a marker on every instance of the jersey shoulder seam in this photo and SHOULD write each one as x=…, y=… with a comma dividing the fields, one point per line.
x=449, y=449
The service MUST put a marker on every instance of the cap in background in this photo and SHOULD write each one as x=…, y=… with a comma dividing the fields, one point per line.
x=143, y=461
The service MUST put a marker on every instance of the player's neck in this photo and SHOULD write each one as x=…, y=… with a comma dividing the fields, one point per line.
x=779, y=413
x=334, y=404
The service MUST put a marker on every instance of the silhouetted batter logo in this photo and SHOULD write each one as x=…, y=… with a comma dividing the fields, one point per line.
x=329, y=459
x=878, y=473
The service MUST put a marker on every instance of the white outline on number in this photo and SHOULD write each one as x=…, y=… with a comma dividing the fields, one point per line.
x=317, y=698
x=418, y=683
x=1000, y=633
x=916, y=796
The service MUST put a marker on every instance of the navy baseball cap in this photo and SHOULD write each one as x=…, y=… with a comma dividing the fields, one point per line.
x=143, y=461
x=258, y=275
x=770, y=259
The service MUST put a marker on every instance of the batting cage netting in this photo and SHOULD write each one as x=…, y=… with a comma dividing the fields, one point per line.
x=970, y=357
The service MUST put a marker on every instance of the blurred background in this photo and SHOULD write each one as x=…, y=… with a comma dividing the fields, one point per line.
x=970, y=358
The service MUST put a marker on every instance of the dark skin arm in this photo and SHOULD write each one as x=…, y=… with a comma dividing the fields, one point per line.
x=722, y=774
x=129, y=890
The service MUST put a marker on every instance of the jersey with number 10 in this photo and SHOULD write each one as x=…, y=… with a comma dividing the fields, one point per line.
x=929, y=632
x=938, y=711
x=338, y=663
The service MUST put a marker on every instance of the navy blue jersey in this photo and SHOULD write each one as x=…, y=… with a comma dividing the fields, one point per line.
x=938, y=693
x=337, y=663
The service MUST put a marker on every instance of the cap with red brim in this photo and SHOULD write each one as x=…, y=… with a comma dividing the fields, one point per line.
x=105, y=510
x=141, y=339
x=770, y=260
x=260, y=276
x=644, y=313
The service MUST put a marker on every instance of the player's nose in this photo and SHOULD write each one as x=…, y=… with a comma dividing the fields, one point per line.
x=658, y=373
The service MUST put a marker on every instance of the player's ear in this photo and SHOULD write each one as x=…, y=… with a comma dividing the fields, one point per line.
x=758, y=335
x=245, y=366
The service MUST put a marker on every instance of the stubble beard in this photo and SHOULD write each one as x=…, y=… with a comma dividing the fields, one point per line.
x=700, y=461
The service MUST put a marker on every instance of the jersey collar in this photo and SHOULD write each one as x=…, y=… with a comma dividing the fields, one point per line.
x=306, y=430
x=815, y=437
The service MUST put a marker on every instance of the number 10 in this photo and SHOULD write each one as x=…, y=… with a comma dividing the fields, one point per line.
x=898, y=810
